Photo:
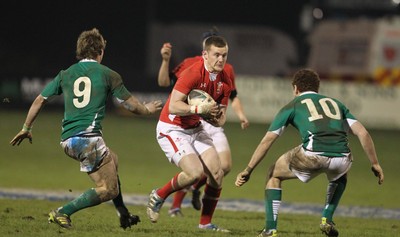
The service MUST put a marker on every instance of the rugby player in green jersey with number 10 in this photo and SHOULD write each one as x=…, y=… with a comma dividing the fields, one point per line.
x=323, y=124
x=86, y=85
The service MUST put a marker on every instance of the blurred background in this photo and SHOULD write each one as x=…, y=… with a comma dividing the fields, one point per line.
x=354, y=45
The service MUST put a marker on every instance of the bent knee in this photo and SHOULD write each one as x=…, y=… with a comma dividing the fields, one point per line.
x=218, y=177
x=226, y=169
x=113, y=192
x=195, y=176
x=107, y=193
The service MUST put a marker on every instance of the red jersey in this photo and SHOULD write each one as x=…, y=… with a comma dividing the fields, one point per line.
x=219, y=86
x=190, y=61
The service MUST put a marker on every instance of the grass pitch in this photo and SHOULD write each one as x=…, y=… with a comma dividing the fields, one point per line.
x=29, y=218
x=143, y=166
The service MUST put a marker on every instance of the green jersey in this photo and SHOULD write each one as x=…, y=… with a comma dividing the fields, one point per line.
x=322, y=122
x=86, y=86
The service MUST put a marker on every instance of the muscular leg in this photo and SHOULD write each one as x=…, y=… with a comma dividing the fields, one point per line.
x=226, y=161
x=126, y=219
x=192, y=171
x=118, y=200
x=226, y=165
x=180, y=195
x=224, y=155
x=212, y=168
x=333, y=195
x=212, y=191
x=105, y=179
x=273, y=193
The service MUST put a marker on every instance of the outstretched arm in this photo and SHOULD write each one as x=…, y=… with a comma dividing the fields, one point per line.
x=133, y=105
x=33, y=112
x=258, y=155
x=369, y=148
x=163, y=73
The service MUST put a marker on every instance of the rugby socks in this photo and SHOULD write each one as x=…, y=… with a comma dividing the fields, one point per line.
x=333, y=194
x=180, y=195
x=178, y=199
x=273, y=199
x=87, y=199
x=210, y=200
x=169, y=187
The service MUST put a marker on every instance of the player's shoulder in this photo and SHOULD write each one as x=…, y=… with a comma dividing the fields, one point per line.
x=192, y=60
x=331, y=98
x=195, y=67
x=109, y=74
x=108, y=71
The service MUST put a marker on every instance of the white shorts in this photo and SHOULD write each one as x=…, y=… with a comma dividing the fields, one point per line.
x=217, y=135
x=307, y=165
x=89, y=151
x=177, y=142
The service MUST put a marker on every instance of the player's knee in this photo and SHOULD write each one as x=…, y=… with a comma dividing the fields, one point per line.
x=227, y=169
x=110, y=194
x=111, y=190
x=114, y=191
x=226, y=162
x=218, y=176
x=271, y=171
x=194, y=176
x=105, y=194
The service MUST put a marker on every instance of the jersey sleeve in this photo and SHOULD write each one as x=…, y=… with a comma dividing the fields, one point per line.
x=347, y=115
x=190, y=80
x=118, y=88
x=186, y=63
x=53, y=88
x=282, y=120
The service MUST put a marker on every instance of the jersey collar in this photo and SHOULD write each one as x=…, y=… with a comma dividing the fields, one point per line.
x=88, y=60
x=308, y=92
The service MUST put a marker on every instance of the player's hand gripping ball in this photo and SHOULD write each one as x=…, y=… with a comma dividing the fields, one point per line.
x=200, y=101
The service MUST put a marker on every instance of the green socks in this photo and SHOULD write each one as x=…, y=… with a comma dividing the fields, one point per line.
x=86, y=199
x=333, y=194
x=273, y=199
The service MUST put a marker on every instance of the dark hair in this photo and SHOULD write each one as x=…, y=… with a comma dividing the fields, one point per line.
x=306, y=80
x=217, y=41
x=211, y=32
x=90, y=44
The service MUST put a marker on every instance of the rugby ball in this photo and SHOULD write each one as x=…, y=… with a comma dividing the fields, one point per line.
x=199, y=97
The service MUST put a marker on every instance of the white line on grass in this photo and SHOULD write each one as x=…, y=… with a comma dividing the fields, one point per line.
x=223, y=204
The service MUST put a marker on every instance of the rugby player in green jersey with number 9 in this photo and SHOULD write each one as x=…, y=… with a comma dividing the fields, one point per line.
x=85, y=86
